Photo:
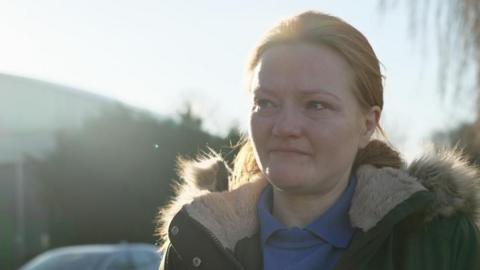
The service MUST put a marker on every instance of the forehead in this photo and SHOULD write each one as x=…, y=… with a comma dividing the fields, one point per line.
x=302, y=66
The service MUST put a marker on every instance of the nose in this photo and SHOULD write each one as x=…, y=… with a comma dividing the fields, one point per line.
x=287, y=124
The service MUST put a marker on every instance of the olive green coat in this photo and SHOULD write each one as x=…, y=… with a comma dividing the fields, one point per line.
x=420, y=217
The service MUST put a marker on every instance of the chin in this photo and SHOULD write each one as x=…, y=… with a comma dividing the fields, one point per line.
x=287, y=181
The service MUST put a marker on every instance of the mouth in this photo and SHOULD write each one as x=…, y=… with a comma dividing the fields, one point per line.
x=291, y=151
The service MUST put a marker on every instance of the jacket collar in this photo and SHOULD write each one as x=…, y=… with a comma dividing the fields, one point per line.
x=231, y=215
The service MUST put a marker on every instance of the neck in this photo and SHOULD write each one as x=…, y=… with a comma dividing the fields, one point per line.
x=299, y=210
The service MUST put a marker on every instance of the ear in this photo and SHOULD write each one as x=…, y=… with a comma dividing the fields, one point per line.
x=368, y=125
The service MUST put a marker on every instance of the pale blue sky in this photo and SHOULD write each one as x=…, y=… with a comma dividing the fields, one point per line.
x=157, y=54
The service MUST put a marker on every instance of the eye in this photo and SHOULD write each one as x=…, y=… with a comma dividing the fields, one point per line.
x=261, y=104
x=316, y=105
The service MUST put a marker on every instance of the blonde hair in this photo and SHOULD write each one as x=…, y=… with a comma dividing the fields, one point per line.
x=322, y=29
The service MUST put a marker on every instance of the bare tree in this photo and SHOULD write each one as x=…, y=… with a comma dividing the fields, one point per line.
x=457, y=29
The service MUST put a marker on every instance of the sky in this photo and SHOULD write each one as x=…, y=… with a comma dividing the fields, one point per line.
x=160, y=54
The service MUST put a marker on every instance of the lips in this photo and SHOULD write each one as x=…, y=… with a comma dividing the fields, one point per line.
x=289, y=150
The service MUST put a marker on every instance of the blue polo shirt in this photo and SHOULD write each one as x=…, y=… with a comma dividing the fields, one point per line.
x=317, y=246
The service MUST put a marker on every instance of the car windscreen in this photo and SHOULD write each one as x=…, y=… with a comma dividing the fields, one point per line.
x=70, y=261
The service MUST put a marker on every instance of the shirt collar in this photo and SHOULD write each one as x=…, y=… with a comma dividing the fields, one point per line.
x=268, y=223
x=332, y=226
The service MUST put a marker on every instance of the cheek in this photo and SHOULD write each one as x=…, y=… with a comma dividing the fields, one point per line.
x=338, y=135
x=259, y=136
x=259, y=128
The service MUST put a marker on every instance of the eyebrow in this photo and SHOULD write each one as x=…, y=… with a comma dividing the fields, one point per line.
x=263, y=89
x=303, y=92
x=316, y=91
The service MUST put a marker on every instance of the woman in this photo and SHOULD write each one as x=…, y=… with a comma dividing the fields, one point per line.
x=310, y=188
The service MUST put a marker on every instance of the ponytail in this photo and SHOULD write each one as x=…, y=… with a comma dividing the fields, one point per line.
x=377, y=153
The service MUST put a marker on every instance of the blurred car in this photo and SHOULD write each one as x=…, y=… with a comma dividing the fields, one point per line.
x=98, y=257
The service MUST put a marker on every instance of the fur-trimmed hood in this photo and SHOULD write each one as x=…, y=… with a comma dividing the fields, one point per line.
x=231, y=215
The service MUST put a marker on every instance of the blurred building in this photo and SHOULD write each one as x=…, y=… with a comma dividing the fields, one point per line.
x=32, y=112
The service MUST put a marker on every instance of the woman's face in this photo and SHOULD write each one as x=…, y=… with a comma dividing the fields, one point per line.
x=306, y=124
